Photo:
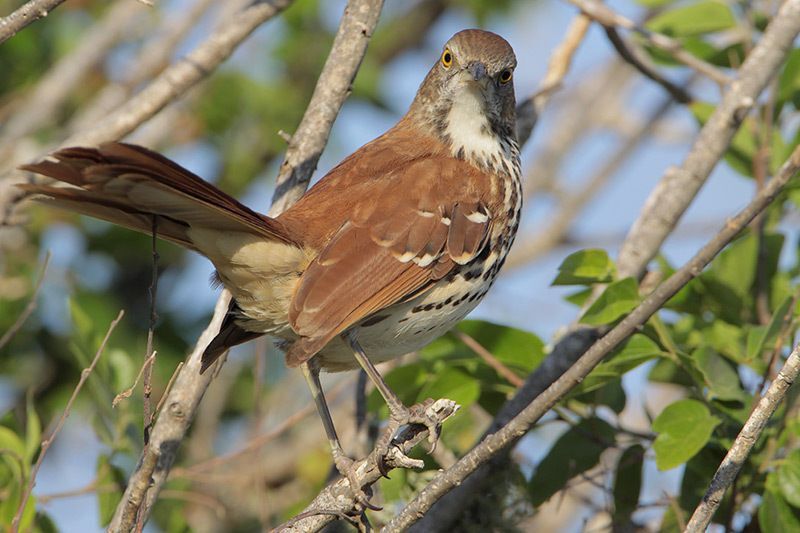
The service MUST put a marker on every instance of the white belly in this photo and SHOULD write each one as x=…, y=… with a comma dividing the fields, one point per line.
x=410, y=325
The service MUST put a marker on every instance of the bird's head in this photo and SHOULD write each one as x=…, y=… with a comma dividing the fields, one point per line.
x=468, y=95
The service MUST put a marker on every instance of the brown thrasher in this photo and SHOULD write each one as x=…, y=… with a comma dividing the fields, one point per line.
x=387, y=252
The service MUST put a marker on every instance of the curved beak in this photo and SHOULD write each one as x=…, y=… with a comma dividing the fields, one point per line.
x=477, y=70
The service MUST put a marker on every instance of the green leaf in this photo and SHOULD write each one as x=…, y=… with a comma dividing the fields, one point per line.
x=684, y=427
x=628, y=483
x=573, y=453
x=775, y=513
x=746, y=141
x=452, y=384
x=33, y=430
x=694, y=19
x=720, y=377
x=789, y=478
x=654, y=3
x=108, y=476
x=13, y=453
x=585, y=267
x=617, y=300
x=632, y=353
x=610, y=394
x=789, y=81
x=579, y=297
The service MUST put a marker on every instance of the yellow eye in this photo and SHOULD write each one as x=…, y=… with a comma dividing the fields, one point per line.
x=505, y=76
x=447, y=58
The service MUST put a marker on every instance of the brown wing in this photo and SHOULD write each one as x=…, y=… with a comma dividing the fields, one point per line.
x=413, y=230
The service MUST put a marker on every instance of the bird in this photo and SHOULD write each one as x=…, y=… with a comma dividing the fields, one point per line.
x=385, y=253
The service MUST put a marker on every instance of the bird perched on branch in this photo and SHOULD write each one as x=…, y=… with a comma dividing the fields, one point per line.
x=387, y=252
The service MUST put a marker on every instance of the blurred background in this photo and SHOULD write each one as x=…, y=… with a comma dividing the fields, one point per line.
x=600, y=146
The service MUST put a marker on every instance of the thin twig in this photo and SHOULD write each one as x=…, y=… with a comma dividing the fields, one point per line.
x=631, y=55
x=46, y=443
x=489, y=359
x=29, y=308
x=745, y=440
x=511, y=432
x=27, y=14
x=125, y=394
x=150, y=354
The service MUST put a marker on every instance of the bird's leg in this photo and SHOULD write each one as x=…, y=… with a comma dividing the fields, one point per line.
x=399, y=414
x=343, y=463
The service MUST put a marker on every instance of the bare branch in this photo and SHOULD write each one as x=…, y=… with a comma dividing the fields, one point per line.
x=46, y=443
x=743, y=445
x=607, y=17
x=504, y=438
x=150, y=353
x=333, y=86
x=27, y=14
x=680, y=185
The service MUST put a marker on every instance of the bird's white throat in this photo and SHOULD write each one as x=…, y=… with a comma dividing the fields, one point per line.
x=468, y=128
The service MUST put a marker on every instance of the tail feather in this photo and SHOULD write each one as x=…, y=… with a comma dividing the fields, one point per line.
x=133, y=187
x=129, y=185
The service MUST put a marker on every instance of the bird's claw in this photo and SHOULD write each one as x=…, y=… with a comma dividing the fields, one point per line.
x=347, y=468
x=417, y=414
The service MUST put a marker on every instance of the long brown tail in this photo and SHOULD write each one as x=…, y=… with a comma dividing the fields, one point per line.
x=129, y=185
x=136, y=188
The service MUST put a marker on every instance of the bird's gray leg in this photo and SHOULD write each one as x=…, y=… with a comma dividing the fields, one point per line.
x=399, y=414
x=344, y=464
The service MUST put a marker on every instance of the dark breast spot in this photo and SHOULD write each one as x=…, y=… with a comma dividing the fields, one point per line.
x=371, y=321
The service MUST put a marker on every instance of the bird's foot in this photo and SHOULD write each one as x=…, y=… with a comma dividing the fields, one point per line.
x=429, y=414
x=347, y=468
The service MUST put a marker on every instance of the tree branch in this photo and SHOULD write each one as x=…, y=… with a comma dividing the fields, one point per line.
x=27, y=14
x=504, y=438
x=743, y=445
x=355, y=29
